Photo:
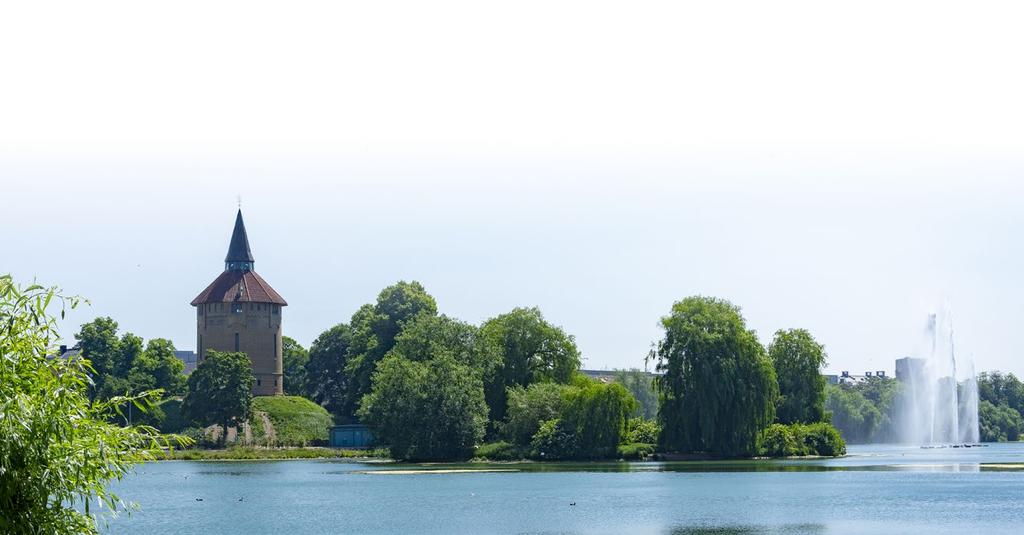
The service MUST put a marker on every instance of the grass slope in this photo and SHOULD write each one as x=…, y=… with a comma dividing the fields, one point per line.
x=296, y=421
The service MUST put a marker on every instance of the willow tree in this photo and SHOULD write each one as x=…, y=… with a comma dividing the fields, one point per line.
x=798, y=360
x=58, y=449
x=718, y=388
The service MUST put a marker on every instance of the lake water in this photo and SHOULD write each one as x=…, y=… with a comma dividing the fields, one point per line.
x=876, y=489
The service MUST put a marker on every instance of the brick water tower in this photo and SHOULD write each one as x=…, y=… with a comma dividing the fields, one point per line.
x=239, y=311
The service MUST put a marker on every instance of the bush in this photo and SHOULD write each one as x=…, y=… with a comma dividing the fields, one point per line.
x=297, y=421
x=501, y=451
x=635, y=451
x=642, y=431
x=778, y=441
x=553, y=442
x=793, y=440
x=823, y=439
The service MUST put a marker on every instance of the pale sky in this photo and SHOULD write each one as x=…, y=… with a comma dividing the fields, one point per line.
x=842, y=168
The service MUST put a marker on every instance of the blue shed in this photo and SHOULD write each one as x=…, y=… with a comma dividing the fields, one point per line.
x=351, y=436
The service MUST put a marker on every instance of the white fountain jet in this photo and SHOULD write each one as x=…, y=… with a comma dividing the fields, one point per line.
x=939, y=401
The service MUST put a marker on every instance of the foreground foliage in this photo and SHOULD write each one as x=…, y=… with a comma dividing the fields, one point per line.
x=58, y=450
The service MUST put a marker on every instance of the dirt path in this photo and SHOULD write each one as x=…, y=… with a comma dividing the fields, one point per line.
x=268, y=429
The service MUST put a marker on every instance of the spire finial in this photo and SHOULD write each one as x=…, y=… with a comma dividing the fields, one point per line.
x=239, y=202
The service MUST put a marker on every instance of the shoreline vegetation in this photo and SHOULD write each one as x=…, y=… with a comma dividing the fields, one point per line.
x=381, y=455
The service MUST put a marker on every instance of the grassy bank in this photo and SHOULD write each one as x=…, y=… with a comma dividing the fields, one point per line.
x=242, y=453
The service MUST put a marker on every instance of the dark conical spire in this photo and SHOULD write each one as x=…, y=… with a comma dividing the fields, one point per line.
x=239, y=255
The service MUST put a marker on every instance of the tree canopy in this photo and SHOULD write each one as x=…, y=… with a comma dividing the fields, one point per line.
x=220, y=391
x=798, y=360
x=374, y=329
x=718, y=390
x=426, y=410
x=294, y=358
x=326, y=370
x=528, y=349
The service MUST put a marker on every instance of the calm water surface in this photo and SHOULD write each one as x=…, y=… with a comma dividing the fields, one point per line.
x=876, y=489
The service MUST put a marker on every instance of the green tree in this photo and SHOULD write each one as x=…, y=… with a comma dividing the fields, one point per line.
x=220, y=391
x=718, y=390
x=798, y=360
x=529, y=350
x=597, y=414
x=641, y=385
x=999, y=423
x=430, y=410
x=529, y=407
x=295, y=358
x=374, y=329
x=858, y=419
x=427, y=337
x=99, y=343
x=58, y=450
x=326, y=376
x=159, y=362
x=1001, y=389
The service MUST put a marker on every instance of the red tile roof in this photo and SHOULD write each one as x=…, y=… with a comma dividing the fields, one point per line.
x=243, y=286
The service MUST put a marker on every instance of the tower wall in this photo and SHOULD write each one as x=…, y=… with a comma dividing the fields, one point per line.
x=251, y=328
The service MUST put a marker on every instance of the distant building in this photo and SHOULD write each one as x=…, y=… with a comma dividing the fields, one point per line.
x=608, y=376
x=239, y=311
x=65, y=352
x=189, y=358
x=909, y=367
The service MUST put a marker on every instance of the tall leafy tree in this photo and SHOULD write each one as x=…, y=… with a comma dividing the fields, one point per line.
x=327, y=381
x=295, y=358
x=159, y=364
x=220, y=391
x=58, y=450
x=529, y=350
x=374, y=329
x=798, y=360
x=718, y=390
x=597, y=414
x=99, y=343
x=429, y=410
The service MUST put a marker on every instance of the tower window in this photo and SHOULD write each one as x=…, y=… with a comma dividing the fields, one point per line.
x=236, y=307
x=237, y=346
x=276, y=308
x=257, y=382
